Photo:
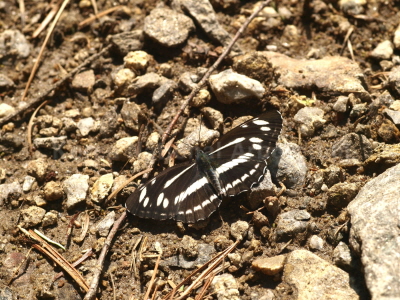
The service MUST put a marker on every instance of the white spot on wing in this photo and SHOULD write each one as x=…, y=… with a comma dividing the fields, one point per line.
x=244, y=177
x=244, y=125
x=236, y=182
x=146, y=201
x=255, y=140
x=165, y=203
x=142, y=194
x=265, y=128
x=256, y=147
x=169, y=182
x=234, y=142
x=197, y=208
x=160, y=199
x=260, y=122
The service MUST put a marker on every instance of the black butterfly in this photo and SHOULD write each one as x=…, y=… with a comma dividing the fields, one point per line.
x=191, y=191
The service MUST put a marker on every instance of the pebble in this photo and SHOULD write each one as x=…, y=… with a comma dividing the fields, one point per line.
x=38, y=168
x=340, y=194
x=50, y=218
x=230, y=87
x=332, y=175
x=137, y=60
x=164, y=92
x=6, y=83
x=358, y=110
x=292, y=222
x=374, y=233
x=383, y=50
x=396, y=38
x=86, y=125
x=213, y=116
x=12, y=190
x=13, y=43
x=69, y=125
x=125, y=42
x=52, y=143
x=142, y=162
x=352, y=146
x=329, y=74
x=84, y=81
x=52, y=191
x=153, y=141
x=123, y=78
x=352, y=7
x=269, y=265
x=258, y=193
x=311, y=276
x=124, y=149
x=393, y=115
x=180, y=261
x=6, y=110
x=225, y=287
x=342, y=256
x=203, y=13
x=104, y=226
x=188, y=81
x=189, y=247
x=130, y=113
x=341, y=104
x=288, y=165
x=316, y=243
x=76, y=187
x=101, y=188
x=239, y=230
x=28, y=183
x=395, y=105
x=309, y=119
x=201, y=98
x=168, y=27
x=33, y=215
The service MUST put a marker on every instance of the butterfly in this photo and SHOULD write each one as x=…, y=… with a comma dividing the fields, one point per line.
x=192, y=191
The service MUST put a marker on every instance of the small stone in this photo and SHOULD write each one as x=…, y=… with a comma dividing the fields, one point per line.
x=342, y=256
x=213, y=116
x=341, y=194
x=352, y=7
x=269, y=265
x=225, y=287
x=76, y=187
x=38, y=168
x=153, y=141
x=316, y=243
x=50, y=218
x=103, y=227
x=6, y=110
x=189, y=247
x=352, y=145
x=201, y=99
x=13, y=43
x=292, y=222
x=39, y=201
x=259, y=219
x=9, y=191
x=341, y=104
x=101, y=188
x=395, y=105
x=164, y=92
x=52, y=191
x=125, y=42
x=309, y=119
x=388, y=132
x=137, y=60
x=239, y=230
x=358, y=110
x=28, y=182
x=130, y=113
x=51, y=143
x=84, y=81
x=230, y=87
x=396, y=38
x=384, y=50
x=143, y=161
x=86, y=125
x=235, y=259
x=168, y=27
x=393, y=115
x=166, y=70
x=123, y=78
x=33, y=215
x=9, y=127
x=124, y=149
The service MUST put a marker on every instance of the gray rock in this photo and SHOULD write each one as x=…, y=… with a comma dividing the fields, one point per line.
x=103, y=227
x=207, y=251
x=342, y=256
x=13, y=43
x=86, y=125
x=109, y=123
x=374, y=233
x=230, y=87
x=340, y=194
x=101, y=187
x=6, y=83
x=351, y=7
x=239, y=230
x=6, y=110
x=148, y=81
x=330, y=74
x=28, y=182
x=292, y=222
x=393, y=115
x=313, y=278
x=358, y=110
x=225, y=287
x=125, y=42
x=188, y=81
x=84, y=81
x=142, y=162
x=153, y=141
x=204, y=14
x=189, y=247
x=316, y=243
x=38, y=168
x=163, y=93
x=168, y=27
x=341, y=104
x=332, y=175
x=394, y=79
x=288, y=165
x=33, y=215
x=309, y=119
x=130, y=113
x=213, y=116
x=352, y=146
x=76, y=187
x=50, y=218
x=9, y=190
x=201, y=98
x=124, y=149
x=258, y=193
x=383, y=50
x=396, y=38
x=10, y=142
x=54, y=143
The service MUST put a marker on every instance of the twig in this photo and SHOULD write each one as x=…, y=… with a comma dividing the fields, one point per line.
x=98, y=15
x=99, y=266
x=54, y=8
x=54, y=87
x=76, y=263
x=30, y=125
x=146, y=296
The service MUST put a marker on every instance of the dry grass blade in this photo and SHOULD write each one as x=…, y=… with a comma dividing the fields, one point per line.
x=36, y=65
x=76, y=263
x=94, y=4
x=146, y=296
x=22, y=11
x=205, y=286
x=99, y=15
x=167, y=146
x=85, y=227
x=30, y=125
x=49, y=17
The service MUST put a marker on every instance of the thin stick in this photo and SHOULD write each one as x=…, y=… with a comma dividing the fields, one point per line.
x=54, y=87
x=46, y=21
x=76, y=263
x=30, y=125
x=98, y=15
x=99, y=266
x=36, y=65
x=146, y=296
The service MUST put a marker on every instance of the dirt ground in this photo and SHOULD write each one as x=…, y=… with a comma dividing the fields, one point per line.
x=318, y=29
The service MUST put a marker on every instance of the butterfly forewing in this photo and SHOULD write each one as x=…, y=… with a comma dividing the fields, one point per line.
x=184, y=193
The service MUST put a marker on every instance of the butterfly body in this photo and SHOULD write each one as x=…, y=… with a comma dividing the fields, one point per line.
x=191, y=191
